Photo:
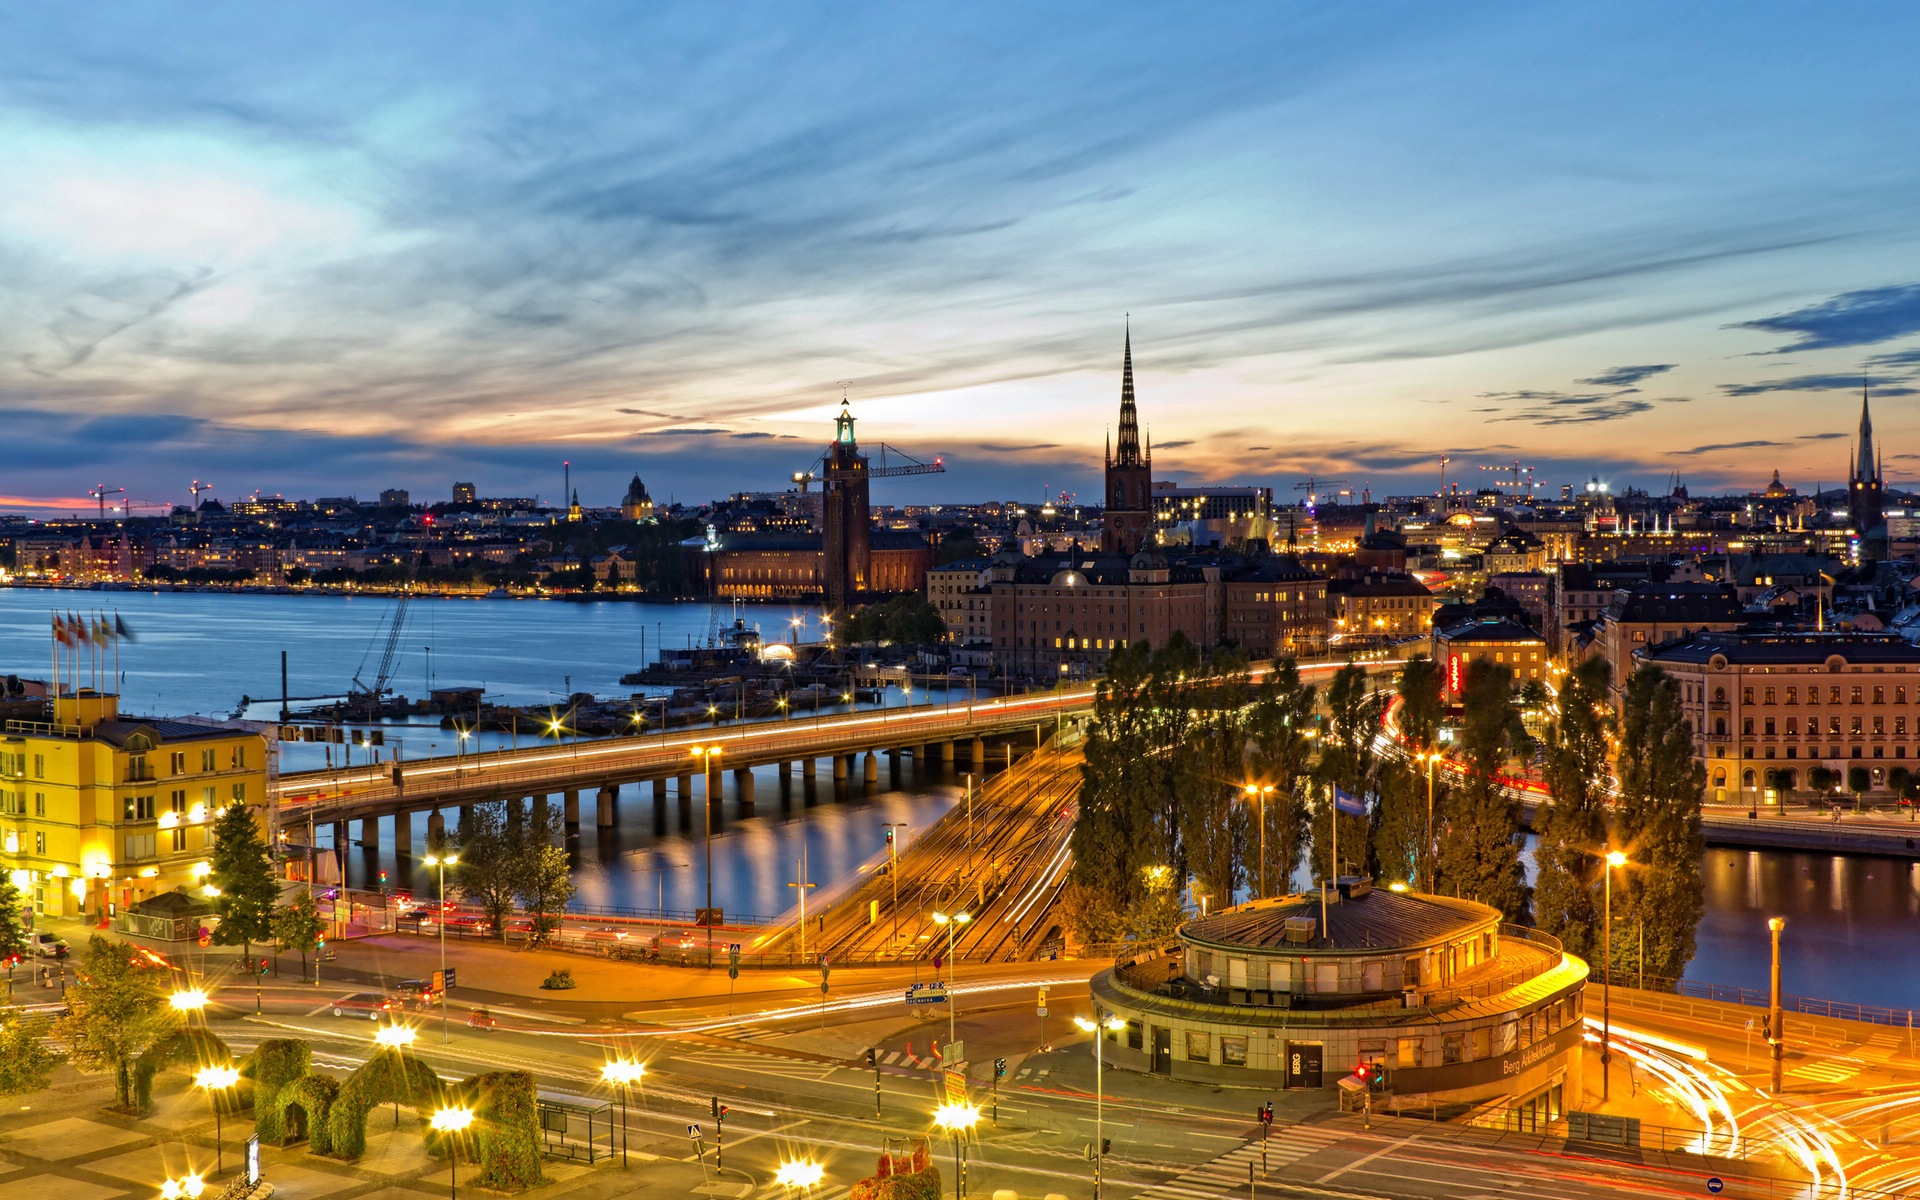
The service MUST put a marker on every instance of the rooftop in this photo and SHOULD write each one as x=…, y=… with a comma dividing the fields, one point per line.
x=1376, y=919
x=1787, y=649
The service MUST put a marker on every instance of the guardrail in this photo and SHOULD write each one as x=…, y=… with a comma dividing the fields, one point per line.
x=1727, y=993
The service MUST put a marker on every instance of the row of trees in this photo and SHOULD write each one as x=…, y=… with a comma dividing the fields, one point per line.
x=509, y=853
x=1185, y=756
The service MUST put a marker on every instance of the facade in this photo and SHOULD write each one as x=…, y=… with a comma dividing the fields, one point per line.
x=1380, y=606
x=1065, y=615
x=1497, y=640
x=1513, y=551
x=1128, y=522
x=636, y=505
x=1655, y=613
x=1274, y=608
x=464, y=493
x=1459, y=1007
x=1767, y=707
x=958, y=591
x=846, y=517
x=101, y=811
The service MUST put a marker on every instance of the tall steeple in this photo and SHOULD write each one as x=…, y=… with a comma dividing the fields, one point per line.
x=1867, y=467
x=1129, y=448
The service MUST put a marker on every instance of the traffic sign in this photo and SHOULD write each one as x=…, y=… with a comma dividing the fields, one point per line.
x=1042, y=1010
x=1716, y=1185
x=927, y=993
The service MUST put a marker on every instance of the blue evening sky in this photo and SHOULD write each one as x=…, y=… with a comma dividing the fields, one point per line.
x=315, y=249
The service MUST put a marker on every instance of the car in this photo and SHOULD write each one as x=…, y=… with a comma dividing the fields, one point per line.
x=480, y=1018
x=372, y=1005
x=45, y=945
x=419, y=992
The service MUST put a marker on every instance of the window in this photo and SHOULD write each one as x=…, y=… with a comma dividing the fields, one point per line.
x=1833, y=694
x=39, y=766
x=39, y=804
x=40, y=843
x=177, y=801
x=1746, y=695
x=138, y=808
x=239, y=793
x=1900, y=695
x=1793, y=695
x=1452, y=1048
x=207, y=760
x=139, y=845
x=1769, y=695
x=1233, y=1051
x=1770, y=729
x=1199, y=1047
x=1481, y=1043
x=1409, y=1054
x=1746, y=726
x=179, y=838
x=1879, y=695
x=1879, y=725
x=177, y=763
x=1793, y=726
x=1855, y=725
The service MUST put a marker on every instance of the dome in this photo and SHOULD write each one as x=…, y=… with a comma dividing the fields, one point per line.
x=1148, y=560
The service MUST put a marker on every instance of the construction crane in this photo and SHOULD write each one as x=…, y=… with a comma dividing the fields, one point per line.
x=196, y=489
x=1312, y=488
x=1513, y=470
x=912, y=466
x=101, y=492
x=1444, y=460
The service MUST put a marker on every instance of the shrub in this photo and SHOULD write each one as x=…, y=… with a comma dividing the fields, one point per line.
x=558, y=981
x=314, y=1094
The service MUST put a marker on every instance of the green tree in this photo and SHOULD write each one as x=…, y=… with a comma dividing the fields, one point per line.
x=298, y=927
x=1661, y=789
x=1402, y=828
x=1279, y=756
x=116, y=1011
x=1420, y=704
x=26, y=1062
x=1573, y=828
x=1118, y=774
x=544, y=886
x=13, y=927
x=1480, y=848
x=1348, y=762
x=242, y=877
x=488, y=872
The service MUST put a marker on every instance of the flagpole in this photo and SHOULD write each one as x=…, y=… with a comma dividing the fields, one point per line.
x=53, y=652
x=1333, y=818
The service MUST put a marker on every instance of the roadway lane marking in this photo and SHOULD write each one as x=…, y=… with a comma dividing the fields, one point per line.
x=1357, y=1163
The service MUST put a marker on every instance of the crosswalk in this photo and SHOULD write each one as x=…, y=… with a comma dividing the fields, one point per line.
x=1223, y=1175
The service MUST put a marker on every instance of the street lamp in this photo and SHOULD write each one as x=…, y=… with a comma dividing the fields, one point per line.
x=705, y=755
x=188, y=1187
x=452, y=1122
x=1776, y=1021
x=216, y=1080
x=623, y=1073
x=800, y=1173
x=394, y=1038
x=952, y=924
x=1097, y=1027
x=188, y=1000
x=957, y=1119
x=1613, y=859
x=1426, y=845
x=895, y=831
x=442, y=862
x=1260, y=794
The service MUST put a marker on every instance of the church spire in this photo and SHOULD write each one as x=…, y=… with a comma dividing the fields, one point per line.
x=1867, y=468
x=1128, y=454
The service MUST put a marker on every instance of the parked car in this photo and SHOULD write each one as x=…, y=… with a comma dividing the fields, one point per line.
x=45, y=945
x=372, y=1005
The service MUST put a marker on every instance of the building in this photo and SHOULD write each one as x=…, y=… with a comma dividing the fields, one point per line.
x=1066, y=614
x=636, y=505
x=1296, y=991
x=1584, y=590
x=792, y=566
x=1274, y=608
x=394, y=498
x=1128, y=521
x=1497, y=640
x=1655, y=613
x=1514, y=551
x=101, y=811
x=1866, y=490
x=1211, y=516
x=1379, y=606
x=958, y=591
x=464, y=493
x=1768, y=707
x=1532, y=591
x=846, y=516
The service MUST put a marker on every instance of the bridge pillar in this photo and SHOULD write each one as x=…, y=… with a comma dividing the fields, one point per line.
x=339, y=835
x=872, y=772
x=716, y=813
x=840, y=767
x=603, y=807
x=786, y=769
x=570, y=808
x=540, y=815
x=683, y=786
x=685, y=805
x=436, y=830
x=946, y=754
x=807, y=767
x=659, y=791
x=743, y=788
x=977, y=754
x=403, y=835
x=357, y=832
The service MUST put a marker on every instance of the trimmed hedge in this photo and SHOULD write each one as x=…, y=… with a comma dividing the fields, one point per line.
x=273, y=1065
x=390, y=1075
x=506, y=1142
x=315, y=1095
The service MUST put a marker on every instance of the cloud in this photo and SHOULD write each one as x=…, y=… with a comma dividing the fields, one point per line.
x=1809, y=383
x=1628, y=376
x=690, y=432
x=1819, y=437
x=1896, y=358
x=1003, y=448
x=1172, y=445
x=1849, y=319
x=1551, y=408
x=758, y=433
x=1730, y=446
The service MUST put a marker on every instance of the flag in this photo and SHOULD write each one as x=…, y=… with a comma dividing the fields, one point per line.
x=102, y=633
x=59, y=629
x=1349, y=804
x=120, y=629
x=76, y=629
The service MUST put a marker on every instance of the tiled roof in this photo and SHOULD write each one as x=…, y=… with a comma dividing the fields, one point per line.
x=1381, y=919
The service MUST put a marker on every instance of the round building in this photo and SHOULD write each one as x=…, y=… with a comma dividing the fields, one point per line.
x=1298, y=991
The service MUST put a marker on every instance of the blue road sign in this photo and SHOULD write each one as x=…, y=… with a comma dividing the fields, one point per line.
x=1716, y=1185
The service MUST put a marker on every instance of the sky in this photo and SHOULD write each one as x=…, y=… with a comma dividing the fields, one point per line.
x=318, y=250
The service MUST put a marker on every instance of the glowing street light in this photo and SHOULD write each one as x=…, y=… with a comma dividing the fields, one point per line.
x=1260, y=793
x=623, y=1073
x=188, y=1000
x=1612, y=859
x=216, y=1080
x=188, y=1187
x=706, y=755
x=957, y=1118
x=800, y=1173
x=394, y=1039
x=951, y=923
x=1096, y=1026
x=442, y=862
x=452, y=1122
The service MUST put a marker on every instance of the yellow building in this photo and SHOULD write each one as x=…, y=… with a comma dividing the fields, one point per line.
x=99, y=811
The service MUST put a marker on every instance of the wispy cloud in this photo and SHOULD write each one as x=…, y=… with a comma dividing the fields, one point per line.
x=1754, y=445
x=1850, y=319
x=1628, y=376
x=1810, y=383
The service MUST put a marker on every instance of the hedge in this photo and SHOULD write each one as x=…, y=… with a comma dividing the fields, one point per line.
x=315, y=1095
x=506, y=1139
x=273, y=1065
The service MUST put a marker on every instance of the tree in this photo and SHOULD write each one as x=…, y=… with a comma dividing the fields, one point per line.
x=116, y=1011
x=1348, y=762
x=13, y=928
x=1402, y=828
x=1480, y=849
x=26, y=1063
x=242, y=876
x=1661, y=789
x=1420, y=705
x=1279, y=756
x=488, y=873
x=1573, y=828
x=298, y=926
x=544, y=887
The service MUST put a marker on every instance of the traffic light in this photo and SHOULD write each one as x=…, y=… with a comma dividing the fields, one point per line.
x=1377, y=1077
x=999, y=1068
x=873, y=1061
x=889, y=835
x=719, y=1111
x=1106, y=1147
x=1266, y=1113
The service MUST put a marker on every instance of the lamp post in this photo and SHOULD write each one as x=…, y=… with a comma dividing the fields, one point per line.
x=442, y=862
x=1098, y=1027
x=188, y=1187
x=1426, y=845
x=216, y=1080
x=394, y=1039
x=1776, y=1022
x=705, y=755
x=951, y=923
x=895, y=830
x=1260, y=794
x=803, y=1174
x=188, y=1001
x=452, y=1122
x=623, y=1073
x=957, y=1119
x=1612, y=859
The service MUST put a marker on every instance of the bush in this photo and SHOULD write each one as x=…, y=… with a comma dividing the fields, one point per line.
x=559, y=981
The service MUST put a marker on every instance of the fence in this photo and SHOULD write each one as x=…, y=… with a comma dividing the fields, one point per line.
x=1727, y=993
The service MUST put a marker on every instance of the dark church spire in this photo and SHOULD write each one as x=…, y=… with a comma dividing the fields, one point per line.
x=1129, y=449
x=1867, y=468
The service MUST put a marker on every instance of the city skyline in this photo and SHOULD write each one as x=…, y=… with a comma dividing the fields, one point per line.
x=1621, y=243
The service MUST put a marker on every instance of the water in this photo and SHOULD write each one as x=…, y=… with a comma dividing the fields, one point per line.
x=1853, y=924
